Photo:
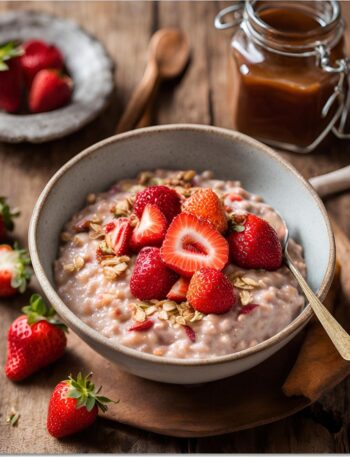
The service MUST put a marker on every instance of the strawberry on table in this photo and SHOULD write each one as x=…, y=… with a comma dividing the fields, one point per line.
x=205, y=204
x=254, y=243
x=151, y=229
x=191, y=243
x=74, y=406
x=151, y=278
x=15, y=272
x=50, y=90
x=37, y=56
x=210, y=292
x=6, y=218
x=35, y=339
x=179, y=290
x=10, y=77
x=118, y=234
x=167, y=200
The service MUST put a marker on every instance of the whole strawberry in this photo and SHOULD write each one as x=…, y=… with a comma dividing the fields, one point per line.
x=49, y=91
x=151, y=278
x=210, y=292
x=255, y=244
x=6, y=218
x=10, y=77
x=15, y=272
x=37, y=56
x=35, y=340
x=73, y=406
x=205, y=204
x=167, y=200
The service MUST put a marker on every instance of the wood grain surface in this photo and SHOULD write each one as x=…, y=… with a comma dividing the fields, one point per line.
x=199, y=96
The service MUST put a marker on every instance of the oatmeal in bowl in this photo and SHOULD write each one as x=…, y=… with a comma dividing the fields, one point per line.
x=179, y=264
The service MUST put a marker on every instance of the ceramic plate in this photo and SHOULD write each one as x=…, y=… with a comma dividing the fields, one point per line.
x=87, y=62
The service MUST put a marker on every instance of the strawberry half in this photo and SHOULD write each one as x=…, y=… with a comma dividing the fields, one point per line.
x=49, y=91
x=15, y=272
x=179, y=290
x=191, y=243
x=73, y=406
x=35, y=340
x=150, y=230
x=118, y=235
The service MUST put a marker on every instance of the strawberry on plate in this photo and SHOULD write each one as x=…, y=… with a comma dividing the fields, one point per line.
x=15, y=272
x=167, y=200
x=179, y=290
x=10, y=77
x=37, y=56
x=6, y=218
x=191, y=243
x=206, y=205
x=118, y=234
x=73, y=406
x=50, y=90
x=151, y=278
x=35, y=339
x=210, y=292
x=254, y=243
x=150, y=231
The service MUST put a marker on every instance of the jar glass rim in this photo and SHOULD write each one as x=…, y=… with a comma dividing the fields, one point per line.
x=331, y=23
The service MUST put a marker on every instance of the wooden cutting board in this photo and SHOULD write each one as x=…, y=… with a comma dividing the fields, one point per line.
x=247, y=400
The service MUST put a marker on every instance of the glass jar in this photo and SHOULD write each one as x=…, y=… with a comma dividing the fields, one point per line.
x=290, y=71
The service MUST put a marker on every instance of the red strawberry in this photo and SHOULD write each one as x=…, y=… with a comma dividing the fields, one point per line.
x=6, y=218
x=167, y=200
x=205, y=204
x=151, y=229
x=73, y=406
x=179, y=290
x=15, y=272
x=10, y=77
x=191, y=244
x=247, y=309
x=210, y=292
x=151, y=278
x=118, y=235
x=35, y=340
x=49, y=91
x=39, y=55
x=255, y=244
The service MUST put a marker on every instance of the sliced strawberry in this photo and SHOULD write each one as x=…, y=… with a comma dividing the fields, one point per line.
x=191, y=244
x=141, y=326
x=190, y=333
x=151, y=229
x=118, y=234
x=247, y=309
x=179, y=290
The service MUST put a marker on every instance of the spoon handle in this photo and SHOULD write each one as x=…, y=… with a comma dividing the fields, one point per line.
x=335, y=331
x=336, y=181
x=140, y=98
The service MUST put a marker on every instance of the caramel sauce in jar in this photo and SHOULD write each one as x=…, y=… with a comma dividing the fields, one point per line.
x=280, y=89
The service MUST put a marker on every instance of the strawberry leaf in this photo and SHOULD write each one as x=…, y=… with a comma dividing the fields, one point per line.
x=22, y=271
x=83, y=391
x=37, y=311
x=238, y=228
x=9, y=51
x=6, y=214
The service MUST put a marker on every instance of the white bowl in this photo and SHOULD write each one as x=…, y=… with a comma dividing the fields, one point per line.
x=230, y=155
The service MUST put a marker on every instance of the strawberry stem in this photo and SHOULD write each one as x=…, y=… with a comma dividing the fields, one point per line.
x=9, y=51
x=6, y=213
x=83, y=390
x=38, y=311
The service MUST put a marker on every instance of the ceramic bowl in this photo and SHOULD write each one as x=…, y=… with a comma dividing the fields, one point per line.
x=230, y=155
x=87, y=62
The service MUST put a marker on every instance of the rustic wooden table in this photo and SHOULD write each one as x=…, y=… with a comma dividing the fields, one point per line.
x=199, y=97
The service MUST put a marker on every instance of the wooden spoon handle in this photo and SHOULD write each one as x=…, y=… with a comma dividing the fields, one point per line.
x=139, y=99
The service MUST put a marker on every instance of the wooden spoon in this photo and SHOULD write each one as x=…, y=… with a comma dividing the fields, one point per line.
x=168, y=55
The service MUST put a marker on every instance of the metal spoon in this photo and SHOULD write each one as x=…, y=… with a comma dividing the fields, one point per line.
x=335, y=331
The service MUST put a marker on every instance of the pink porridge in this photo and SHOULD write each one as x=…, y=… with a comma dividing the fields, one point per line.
x=95, y=282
